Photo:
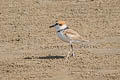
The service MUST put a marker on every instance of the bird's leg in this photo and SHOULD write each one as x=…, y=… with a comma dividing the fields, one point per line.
x=68, y=55
x=70, y=51
x=73, y=54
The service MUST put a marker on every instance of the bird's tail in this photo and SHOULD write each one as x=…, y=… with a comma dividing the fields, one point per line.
x=78, y=41
x=86, y=40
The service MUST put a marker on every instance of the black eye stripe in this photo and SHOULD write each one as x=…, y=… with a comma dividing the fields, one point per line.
x=60, y=24
x=56, y=24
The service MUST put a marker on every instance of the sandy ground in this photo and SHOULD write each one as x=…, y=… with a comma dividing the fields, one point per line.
x=29, y=50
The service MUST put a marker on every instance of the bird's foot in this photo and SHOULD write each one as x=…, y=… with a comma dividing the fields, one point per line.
x=73, y=54
x=70, y=55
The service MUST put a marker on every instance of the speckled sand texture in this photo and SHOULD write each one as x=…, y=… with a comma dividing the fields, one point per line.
x=29, y=50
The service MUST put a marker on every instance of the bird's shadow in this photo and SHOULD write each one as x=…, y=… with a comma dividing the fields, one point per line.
x=52, y=57
x=46, y=57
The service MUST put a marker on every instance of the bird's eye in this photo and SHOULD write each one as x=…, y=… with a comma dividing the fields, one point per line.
x=60, y=24
x=56, y=23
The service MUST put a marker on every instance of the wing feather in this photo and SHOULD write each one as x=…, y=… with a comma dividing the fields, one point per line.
x=73, y=35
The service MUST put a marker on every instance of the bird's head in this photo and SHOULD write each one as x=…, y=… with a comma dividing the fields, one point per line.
x=59, y=25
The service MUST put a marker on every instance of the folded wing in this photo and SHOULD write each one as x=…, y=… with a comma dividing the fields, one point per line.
x=73, y=35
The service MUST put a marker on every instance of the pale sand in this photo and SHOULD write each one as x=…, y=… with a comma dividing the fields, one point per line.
x=29, y=50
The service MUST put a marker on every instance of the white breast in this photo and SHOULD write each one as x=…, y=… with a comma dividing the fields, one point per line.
x=62, y=36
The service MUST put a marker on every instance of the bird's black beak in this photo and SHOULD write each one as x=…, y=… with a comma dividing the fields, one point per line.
x=52, y=25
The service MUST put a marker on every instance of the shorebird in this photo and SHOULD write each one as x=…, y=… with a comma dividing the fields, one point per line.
x=67, y=35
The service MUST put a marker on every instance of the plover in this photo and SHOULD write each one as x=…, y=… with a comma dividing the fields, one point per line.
x=68, y=35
